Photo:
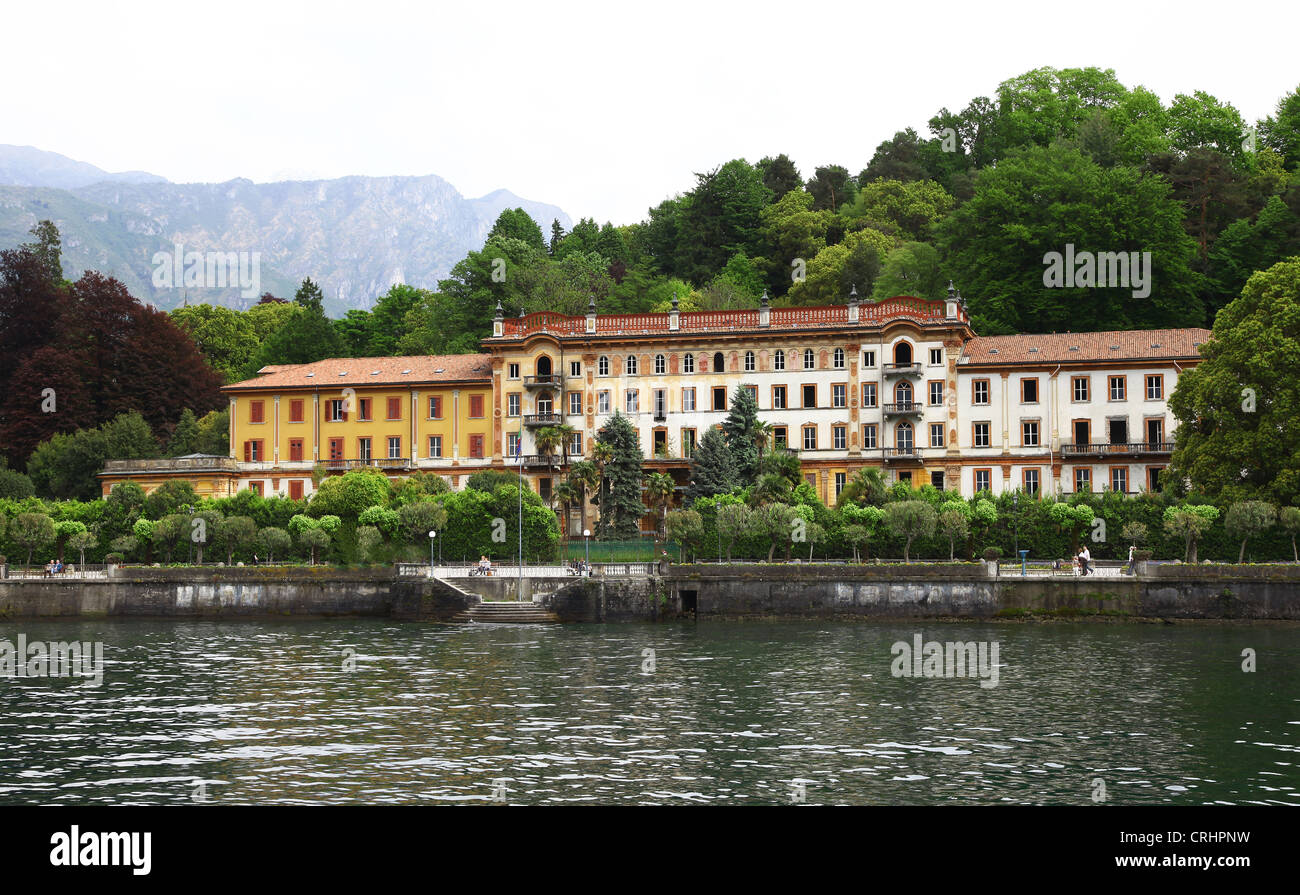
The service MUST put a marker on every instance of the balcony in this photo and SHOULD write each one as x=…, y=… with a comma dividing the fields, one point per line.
x=896, y=454
x=905, y=408
x=1122, y=449
x=543, y=419
x=384, y=463
x=901, y=370
x=551, y=380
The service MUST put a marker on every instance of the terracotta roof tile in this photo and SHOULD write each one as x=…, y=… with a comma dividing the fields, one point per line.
x=359, y=372
x=1062, y=348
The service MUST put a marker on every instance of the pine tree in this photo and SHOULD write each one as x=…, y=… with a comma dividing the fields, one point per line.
x=557, y=236
x=621, y=507
x=737, y=430
x=713, y=470
x=185, y=437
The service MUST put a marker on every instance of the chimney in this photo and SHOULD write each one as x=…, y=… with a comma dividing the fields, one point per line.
x=951, y=304
x=498, y=322
x=853, y=304
x=591, y=314
x=674, y=316
x=764, y=311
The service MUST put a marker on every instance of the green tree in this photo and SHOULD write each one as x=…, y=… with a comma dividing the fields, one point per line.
x=228, y=339
x=910, y=519
x=515, y=223
x=48, y=248
x=1189, y=522
x=416, y=520
x=315, y=540
x=303, y=338
x=272, y=540
x=954, y=523
x=737, y=432
x=185, y=437
x=1289, y=519
x=685, y=528
x=732, y=520
x=15, y=485
x=779, y=175
x=911, y=269
x=659, y=494
x=169, y=497
x=1072, y=518
x=1239, y=409
x=350, y=494
x=621, y=507
x=1247, y=518
x=830, y=186
x=32, y=531
x=370, y=540
x=867, y=487
x=382, y=518
x=236, y=534
x=168, y=532
x=214, y=434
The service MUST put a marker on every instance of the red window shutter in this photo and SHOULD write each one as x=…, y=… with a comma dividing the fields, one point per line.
x=345, y=416
x=248, y=451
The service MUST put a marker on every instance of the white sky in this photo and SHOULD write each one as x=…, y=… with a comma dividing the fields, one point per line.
x=601, y=108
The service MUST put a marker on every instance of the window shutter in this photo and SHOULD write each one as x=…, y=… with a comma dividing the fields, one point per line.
x=248, y=451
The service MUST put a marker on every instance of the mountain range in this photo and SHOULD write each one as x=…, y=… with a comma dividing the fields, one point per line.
x=355, y=236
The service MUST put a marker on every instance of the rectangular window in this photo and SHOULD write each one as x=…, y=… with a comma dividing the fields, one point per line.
x=575, y=368
x=868, y=436
x=1118, y=388
x=936, y=357
x=809, y=359
x=1031, y=481
x=512, y=444
x=688, y=442
x=435, y=407
x=839, y=396
x=334, y=412
x=476, y=446
x=1119, y=479
x=602, y=402
x=336, y=448
x=810, y=396
x=632, y=403
x=688, y=400
x=1029, y=391
x=575, y=444
x=435, y=447
x=810, y=438
x=296, y=414
x=839, y=437
x=868, y=358
x=295, y=450
x=979, y=391
x=780, y=436
x=1155, y=430
x=980, y=435
x=778, y=397
x=1082, y=479
x=476, y=406
x=1079, y=389
x=936, y=479
x=256, y=488
x=512, y=404
x=841, y=479
x=869, y=394
x=936, y=435
x=575, y=403
x=257, y=412
x=295, y=489
x=753, y=392
x=778, y=360
x=363, y=409
x=1029, y=433
x=749, y=362
x=936, y=393
x=363, y=449
x=983, y=480
x=394, y=408
x=661, y=403
x=394, y=447
x=253, y=450
x=512, y=371
x=720, y=398
x=1155, y=387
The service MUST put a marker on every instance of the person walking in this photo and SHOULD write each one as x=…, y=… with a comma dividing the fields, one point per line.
x=1085, y=559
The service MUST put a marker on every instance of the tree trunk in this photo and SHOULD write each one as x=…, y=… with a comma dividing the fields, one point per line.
x=952, y=550
x=1294, y=552
x=1191, y=550
x=907, y=551
x=771, y=550
x=1241, y=556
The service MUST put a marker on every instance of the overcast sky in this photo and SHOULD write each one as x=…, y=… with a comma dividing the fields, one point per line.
x=601, y=108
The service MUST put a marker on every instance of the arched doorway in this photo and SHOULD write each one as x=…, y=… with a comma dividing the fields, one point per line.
x=903, y=437
x=903, y=353
x=544, y=366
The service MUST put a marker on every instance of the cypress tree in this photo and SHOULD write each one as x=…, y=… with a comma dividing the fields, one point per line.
x=621, y=507
x=713, y=471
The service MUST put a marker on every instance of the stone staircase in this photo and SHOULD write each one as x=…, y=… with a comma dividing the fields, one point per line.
x=507, y=613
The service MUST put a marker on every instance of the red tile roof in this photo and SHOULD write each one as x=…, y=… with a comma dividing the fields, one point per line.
x=359, y=372
x=1063, y=348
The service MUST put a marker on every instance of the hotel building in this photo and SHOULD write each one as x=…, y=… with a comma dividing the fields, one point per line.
x=903, y=384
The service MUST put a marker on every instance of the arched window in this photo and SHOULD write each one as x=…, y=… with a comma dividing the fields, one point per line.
x=778, y=360
x=602, y=366
x=839, y=358
x=688, y=363
x=903, y=436
x=719, y=363
x=749, y=362
x=661, y=365
x=903, y=393
x=809, y=359
x=543, y=366
x=903, y=353
x=630, y=366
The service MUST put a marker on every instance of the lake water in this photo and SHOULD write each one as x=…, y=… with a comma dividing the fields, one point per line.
x=372, y=711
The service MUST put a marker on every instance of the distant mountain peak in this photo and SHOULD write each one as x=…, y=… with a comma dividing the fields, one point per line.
x=29, y=166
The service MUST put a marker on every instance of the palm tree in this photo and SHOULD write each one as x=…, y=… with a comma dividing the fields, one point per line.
x=659, y=489
x=566, y=433
x=867, y=487
x=602, y=455
x=547, y=440
x=566, y=494
x=761, y=435
x=584, y=476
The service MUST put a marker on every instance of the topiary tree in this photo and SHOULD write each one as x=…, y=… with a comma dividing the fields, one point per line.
x=369, y=541
x=954, y=523
x=1247, y=518
x=167, y=533
x=910, y=519
x=1289, y=519
x=775, y=521
x=685, y=528
x=384, y=520
x=142, y=529
x=82, y=541
x=315, y=540
x=862, y=524
x=732, y=521
x=1073, y=518
x=124, y=545
x=234, y=534
x=1134, y=532
x=1189, y=522
x=416, y=520
x=64, y=530
x=272, y=540
x=349, y=495
x=33, y=531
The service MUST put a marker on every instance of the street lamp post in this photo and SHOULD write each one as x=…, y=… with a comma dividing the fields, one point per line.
x=1015, y=504
x=433, y=536
x=586, y=533
x=519, y=595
